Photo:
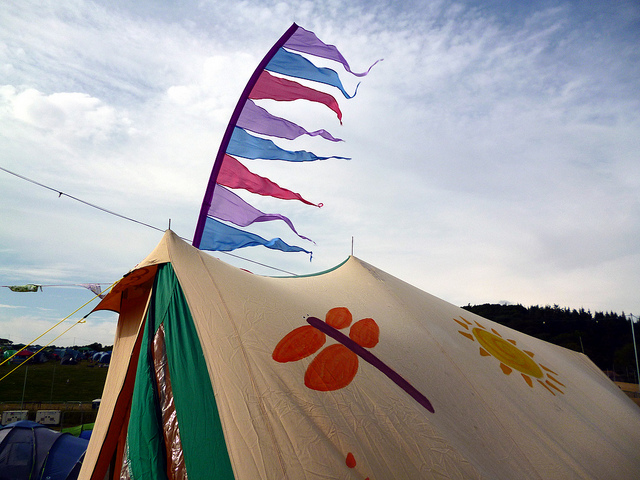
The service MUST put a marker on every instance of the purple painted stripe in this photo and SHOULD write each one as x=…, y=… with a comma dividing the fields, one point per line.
x=369, y=357
x=206, y=202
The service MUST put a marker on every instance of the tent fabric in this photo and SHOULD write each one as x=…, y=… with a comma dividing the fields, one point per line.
x=79, y=429
x=297, y=401
x=190, y=387
x=130, y=296
x=29, y=450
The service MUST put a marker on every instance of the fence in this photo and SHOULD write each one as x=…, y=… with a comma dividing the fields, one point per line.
x=71, y=413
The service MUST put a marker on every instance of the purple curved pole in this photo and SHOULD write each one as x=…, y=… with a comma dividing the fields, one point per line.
x=206, y=202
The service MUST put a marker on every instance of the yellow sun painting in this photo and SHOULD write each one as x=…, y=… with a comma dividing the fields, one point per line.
x=510, y=356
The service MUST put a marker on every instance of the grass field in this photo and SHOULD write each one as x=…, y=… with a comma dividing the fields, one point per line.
x=52, y=383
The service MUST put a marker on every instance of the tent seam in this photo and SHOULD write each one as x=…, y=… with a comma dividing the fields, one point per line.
x=249, y=371
x=248, y=367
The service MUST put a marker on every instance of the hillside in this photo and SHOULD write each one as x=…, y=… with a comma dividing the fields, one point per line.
x=604, y=337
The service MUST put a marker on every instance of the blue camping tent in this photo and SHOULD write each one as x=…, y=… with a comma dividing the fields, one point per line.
x=29, y=450
x=105, y=358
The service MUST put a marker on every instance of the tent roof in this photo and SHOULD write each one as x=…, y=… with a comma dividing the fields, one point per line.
x=504, y=405
x=31, y=450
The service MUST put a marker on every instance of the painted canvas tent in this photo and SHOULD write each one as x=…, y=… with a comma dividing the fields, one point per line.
x=348, y=374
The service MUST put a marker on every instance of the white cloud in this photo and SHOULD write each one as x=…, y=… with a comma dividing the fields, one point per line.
x=494, y=151
x=68, y=114
x=29, y=329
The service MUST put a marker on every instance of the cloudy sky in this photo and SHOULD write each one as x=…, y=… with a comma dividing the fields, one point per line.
x=495, y=150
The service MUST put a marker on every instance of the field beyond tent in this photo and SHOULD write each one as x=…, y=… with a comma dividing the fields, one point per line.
x=51, y=386
x=52, y=383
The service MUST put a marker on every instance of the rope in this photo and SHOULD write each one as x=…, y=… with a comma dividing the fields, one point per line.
x=51, y=328
x=60, y=193
x=82, y=320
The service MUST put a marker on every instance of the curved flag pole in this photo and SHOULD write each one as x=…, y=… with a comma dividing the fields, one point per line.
x=208, y=196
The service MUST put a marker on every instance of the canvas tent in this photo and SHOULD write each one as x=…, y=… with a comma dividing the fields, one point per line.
x=348, y=374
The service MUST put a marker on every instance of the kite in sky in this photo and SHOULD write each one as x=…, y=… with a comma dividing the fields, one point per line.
x=246, y=137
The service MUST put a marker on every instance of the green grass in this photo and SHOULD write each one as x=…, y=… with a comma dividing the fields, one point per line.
x=52, y=383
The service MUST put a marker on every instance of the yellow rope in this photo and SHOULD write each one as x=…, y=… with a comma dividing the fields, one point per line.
x=54, y=326
x=82, y=320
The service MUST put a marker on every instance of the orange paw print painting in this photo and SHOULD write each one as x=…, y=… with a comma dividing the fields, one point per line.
x=336, y=365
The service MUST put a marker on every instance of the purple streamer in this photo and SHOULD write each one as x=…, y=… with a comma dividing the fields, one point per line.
x=228, y=206
x=259, y=120
x=369, y=357
x=306, y=42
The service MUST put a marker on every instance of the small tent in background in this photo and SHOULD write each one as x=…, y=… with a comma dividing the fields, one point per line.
x=102, y=357
x=81, y=431
x=8, y=353
x=29, y=450
x=22, y=356
x=68, y=360
x=105, y=358
x=40, y=357
x=351, y=373
x=70, y=357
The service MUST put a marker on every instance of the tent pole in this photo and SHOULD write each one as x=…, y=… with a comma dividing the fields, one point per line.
x=53, y=377
x=24, y=386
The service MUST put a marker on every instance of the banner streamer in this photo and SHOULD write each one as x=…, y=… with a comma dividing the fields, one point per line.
x=221, y=205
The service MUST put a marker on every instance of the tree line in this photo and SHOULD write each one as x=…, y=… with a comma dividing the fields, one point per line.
x=605, y=337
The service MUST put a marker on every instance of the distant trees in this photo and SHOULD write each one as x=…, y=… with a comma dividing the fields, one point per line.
x=604, y=337
x=95, y=347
